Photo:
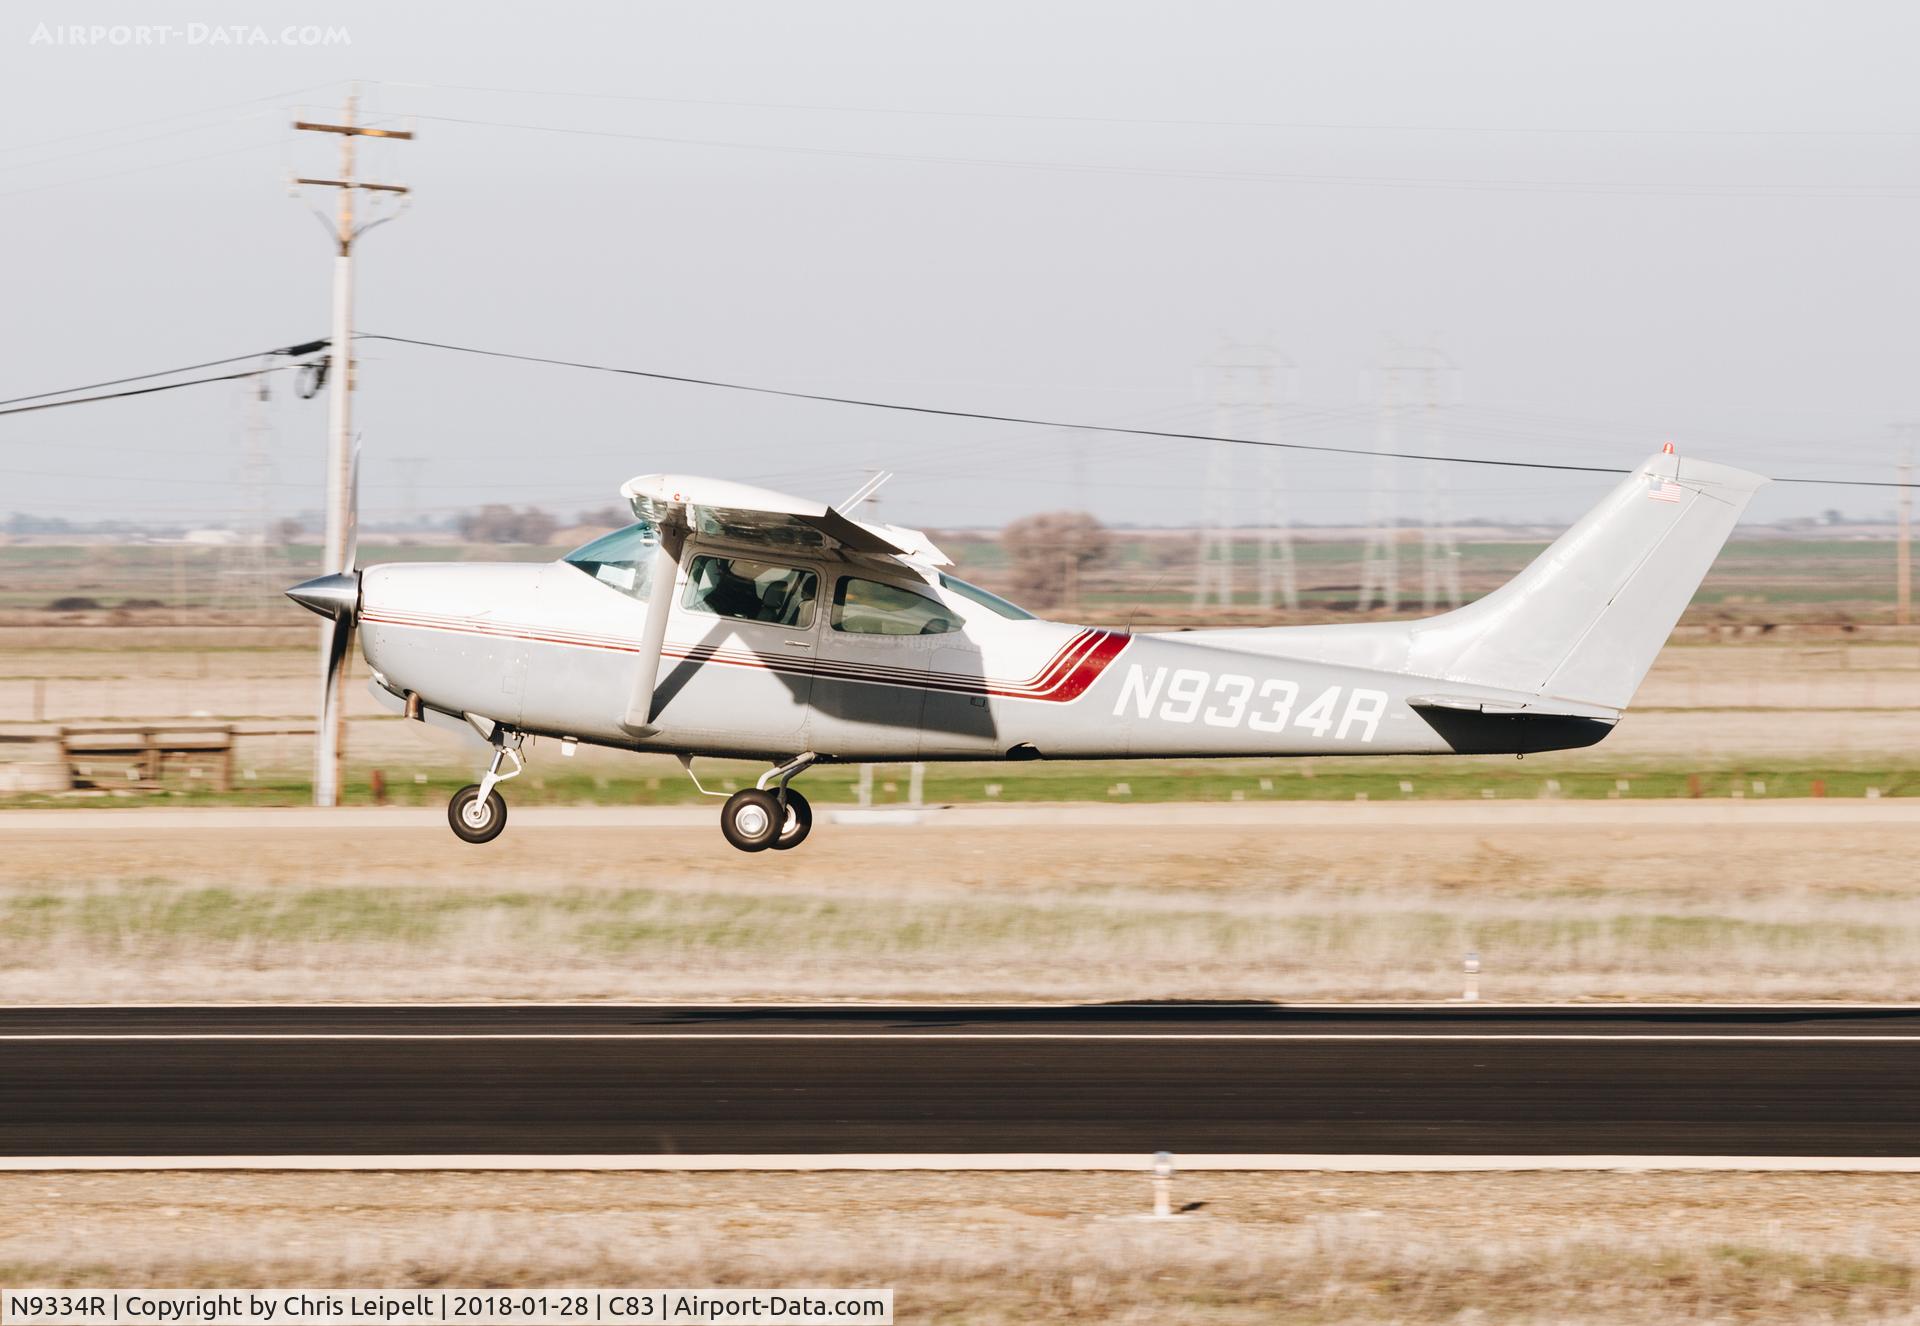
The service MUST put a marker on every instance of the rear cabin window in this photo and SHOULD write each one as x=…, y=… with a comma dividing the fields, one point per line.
x=868, y=607
x=751, y=591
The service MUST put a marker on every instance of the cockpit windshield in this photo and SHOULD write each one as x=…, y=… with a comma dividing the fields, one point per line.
x=991, y=602
x=623, y=559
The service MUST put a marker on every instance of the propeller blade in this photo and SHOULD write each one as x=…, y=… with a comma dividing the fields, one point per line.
x=336, y=642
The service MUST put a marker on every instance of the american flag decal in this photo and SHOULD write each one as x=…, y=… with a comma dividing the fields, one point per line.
x=1663, y=490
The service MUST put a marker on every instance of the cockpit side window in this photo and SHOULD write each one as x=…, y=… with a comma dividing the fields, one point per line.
x=751, y=591
x=623, y=559
x=868, y=607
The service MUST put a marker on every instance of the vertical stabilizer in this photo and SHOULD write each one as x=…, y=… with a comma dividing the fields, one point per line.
x=1586, y=619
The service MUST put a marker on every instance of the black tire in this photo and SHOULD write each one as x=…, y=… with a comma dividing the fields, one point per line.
x=751, y=819
x=798, y=825
x=488, y=827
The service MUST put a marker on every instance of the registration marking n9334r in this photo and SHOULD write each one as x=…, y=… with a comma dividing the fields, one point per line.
x=1231, y=699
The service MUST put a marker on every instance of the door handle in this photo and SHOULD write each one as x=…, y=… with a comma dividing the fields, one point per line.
x=801, y=644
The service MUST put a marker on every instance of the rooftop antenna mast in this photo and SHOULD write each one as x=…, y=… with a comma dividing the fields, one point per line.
x=343, y=228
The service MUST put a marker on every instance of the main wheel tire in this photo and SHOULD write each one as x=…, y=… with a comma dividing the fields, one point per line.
x=474, y=820
x=799, y=823
x=751, y=819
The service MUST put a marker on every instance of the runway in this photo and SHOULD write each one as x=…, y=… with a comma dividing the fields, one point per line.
x=828, y=1080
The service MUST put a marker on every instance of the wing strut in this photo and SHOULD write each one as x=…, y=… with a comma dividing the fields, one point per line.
x=663, y=588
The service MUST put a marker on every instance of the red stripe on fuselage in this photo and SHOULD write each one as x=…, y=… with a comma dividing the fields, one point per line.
x=1066, y=676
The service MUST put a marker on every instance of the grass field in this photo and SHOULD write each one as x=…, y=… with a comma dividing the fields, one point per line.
x=654, y=781
x=1011, y=1249
x=1560, y=905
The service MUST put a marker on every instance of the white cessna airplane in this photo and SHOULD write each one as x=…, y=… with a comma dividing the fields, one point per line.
x=733, y=621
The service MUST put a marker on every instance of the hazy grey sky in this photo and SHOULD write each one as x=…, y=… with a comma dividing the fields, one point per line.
x=1624, y=222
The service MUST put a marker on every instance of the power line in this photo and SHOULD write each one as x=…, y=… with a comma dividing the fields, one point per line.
x=901, y=408
x=1763, y=189
x=134, y=170
x=146, y=391
x=1308, y=126
x=162, y=119
x=305, y=348
x=132, y=142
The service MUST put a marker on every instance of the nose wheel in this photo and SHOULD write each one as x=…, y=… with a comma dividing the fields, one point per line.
x=476, y=818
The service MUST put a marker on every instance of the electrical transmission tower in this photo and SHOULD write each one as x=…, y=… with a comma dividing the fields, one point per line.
x=410, y=468
x=245, y=582
x=1903, y=535
x=1426, y=380
x=1380, y=559
x=1439, y=550
x=1245, y=385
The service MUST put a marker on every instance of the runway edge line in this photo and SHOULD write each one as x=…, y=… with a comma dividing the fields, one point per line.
x=980, y=1162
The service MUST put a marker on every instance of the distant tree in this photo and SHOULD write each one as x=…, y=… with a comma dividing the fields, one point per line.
x=608, y=516
x=1050, y=553
x=289, y=529
x=22, y=523
x=498, y=523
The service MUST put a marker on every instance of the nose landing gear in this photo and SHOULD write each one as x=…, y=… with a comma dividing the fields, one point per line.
x=478, y=813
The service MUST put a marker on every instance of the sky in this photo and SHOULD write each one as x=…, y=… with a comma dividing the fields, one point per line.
x=1559, y=234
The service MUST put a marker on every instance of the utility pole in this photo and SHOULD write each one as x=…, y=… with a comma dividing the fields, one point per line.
x=329, y=737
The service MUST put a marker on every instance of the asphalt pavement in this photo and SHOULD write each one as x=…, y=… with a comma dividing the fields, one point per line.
x=845, y=1079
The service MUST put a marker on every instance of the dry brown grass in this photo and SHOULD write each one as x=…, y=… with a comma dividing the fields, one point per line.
x=1558, y=910
x=1014, y=1248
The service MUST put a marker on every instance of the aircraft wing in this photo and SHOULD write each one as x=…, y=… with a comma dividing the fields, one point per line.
x=723, y=508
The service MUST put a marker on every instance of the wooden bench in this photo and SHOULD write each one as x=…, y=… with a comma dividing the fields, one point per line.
x=146, y=752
